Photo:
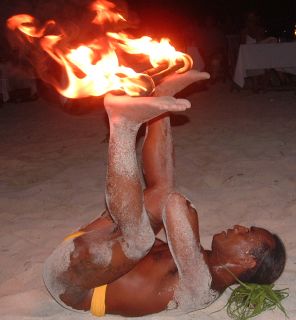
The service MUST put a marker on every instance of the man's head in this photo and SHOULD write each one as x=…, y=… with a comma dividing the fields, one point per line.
x=254, y=255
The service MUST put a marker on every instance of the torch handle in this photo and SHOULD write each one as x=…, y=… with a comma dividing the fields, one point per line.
x=163, y=70
x=152, y=71
x=158, y=77
x=153, y=76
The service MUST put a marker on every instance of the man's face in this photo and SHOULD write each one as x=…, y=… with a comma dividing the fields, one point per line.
x=236, y=244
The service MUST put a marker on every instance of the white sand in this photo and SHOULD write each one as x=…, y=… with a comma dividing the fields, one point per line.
x=236, y=160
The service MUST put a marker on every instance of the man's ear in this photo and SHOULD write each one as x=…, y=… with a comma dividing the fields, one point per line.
x=248, y=262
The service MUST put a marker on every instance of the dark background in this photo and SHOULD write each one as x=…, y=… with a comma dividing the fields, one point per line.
x=177, y=20
x=278, y=15
x=171, y=15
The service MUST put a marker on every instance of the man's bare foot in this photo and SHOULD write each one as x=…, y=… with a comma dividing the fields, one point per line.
x=143, y=109
x=177, y=82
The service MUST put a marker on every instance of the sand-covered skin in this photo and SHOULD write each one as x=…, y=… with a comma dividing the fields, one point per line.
x=235, y=159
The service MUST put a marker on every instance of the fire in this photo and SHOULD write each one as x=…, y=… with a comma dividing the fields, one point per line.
x=106, y=11
x=95, y=67
x=26, y=24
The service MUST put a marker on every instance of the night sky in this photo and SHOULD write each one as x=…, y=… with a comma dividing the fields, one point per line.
x=270, y=8
x=277, y=14
x=173, y=19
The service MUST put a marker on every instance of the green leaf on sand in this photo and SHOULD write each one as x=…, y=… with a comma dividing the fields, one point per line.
x=250, y=299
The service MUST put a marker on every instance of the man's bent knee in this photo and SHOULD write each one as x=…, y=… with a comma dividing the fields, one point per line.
x=155, y=199
x=138, y=241
x=57, y=264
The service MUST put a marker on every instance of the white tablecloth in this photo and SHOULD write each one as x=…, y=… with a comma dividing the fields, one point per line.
x=264, y=56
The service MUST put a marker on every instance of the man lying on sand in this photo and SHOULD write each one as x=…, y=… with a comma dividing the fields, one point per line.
x=116, y=264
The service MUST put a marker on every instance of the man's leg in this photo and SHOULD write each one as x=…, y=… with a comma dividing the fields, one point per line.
x=158, y=151
x=158, y=167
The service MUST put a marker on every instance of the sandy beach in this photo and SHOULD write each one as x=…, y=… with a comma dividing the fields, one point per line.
x=235, y=159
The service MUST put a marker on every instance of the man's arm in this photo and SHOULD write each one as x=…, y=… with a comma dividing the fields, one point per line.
x=181, y=223
x=182, y=227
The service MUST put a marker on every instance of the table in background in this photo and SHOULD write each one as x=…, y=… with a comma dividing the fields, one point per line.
x=261, y=56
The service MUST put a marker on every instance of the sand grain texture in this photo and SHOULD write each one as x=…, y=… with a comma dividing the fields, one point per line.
x=235, y=159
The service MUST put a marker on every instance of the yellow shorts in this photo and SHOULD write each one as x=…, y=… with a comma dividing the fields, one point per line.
x=98, y=306
x=74, y=235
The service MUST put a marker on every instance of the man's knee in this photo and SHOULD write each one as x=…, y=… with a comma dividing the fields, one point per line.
x=139, y=240
x=155, y=199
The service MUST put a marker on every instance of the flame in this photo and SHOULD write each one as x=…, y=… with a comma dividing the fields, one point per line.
x=105, y=11
x=28, y=25
x=157, y=51
x=88, y=75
